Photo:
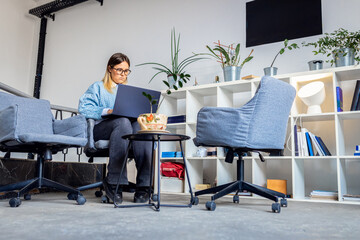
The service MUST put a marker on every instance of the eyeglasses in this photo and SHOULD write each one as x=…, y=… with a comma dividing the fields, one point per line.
x=122, y=71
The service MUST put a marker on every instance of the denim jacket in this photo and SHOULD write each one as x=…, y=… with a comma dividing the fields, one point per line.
x=95, y=100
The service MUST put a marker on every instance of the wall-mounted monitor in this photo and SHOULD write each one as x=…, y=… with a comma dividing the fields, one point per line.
x=269, y=21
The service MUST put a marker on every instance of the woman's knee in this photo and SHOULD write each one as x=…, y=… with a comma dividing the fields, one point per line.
x=121, y=122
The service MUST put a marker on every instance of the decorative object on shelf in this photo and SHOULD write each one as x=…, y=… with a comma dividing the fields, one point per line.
x=201, y=152
x=278, y=185
x=355, y=104
x=195, y=83
x=341, y=44
x=339, y=99
x=229, y=57
x=313, y=95
x=315, y=65
x=271, y=71
x=211, y=152
x=217, y=79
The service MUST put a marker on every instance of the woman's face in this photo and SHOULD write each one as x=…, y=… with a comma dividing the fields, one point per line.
x=119, y=72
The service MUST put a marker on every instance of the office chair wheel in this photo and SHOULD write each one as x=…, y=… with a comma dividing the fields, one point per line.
x=275, y=207
x=211, y=205
x=195, y=201
x=80, y=200
x=283, y=202
x=72, y=196
x=27, y=196
x=105, y=199
x=154, y=197
x=15, y=202
x=236, y=199
x=98, y=193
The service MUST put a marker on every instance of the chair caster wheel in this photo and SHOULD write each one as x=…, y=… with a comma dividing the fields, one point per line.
x=236, y=199
x=105, y=199
x=27, y=196
x=211, y=205
x=155, y=197
x=80, y=200
x=72, y=196
x=195, y=201
x=283, y=202
x=275, y=207
x=15, y=202
x=98, y=193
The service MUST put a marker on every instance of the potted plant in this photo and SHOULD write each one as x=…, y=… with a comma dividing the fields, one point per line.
x=229, y=57
x=152, y=121
x=270, y=71
x=176, y=75
x=341, y=44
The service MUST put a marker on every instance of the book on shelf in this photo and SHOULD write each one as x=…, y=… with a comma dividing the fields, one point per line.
x=320, y=194
x=351, y=197
x=339, y=99
x=308, y=144
x=355, y=101
x=176, y=119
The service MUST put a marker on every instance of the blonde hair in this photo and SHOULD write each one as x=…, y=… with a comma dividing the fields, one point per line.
x=115, y=59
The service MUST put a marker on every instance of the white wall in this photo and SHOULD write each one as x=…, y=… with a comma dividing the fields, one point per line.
x=82, y=38
x=17, y=50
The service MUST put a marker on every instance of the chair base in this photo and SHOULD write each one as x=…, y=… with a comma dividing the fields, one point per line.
x=26, y=186
x=240, y=186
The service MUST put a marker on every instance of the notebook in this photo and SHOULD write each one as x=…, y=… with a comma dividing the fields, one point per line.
x=130, y=102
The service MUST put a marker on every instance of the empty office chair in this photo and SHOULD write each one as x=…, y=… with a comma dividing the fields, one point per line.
x=99, y=148
x=28, y=125
x=259, y=125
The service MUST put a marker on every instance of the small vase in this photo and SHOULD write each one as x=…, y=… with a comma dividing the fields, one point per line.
x=232, y=73
x=270, y=71
x=345, y=57
x=172, y=82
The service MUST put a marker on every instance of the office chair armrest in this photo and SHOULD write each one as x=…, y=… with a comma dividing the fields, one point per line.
x=90, y=146
x=72, y=127
x=221, y=126
x=8, y=121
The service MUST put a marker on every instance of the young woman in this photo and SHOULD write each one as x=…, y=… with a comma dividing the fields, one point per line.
x=98, y=101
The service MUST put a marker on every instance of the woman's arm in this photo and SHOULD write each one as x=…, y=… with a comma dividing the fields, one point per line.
x=89, y=103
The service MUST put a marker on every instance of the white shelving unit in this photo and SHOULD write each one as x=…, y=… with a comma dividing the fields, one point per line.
x=339, y=130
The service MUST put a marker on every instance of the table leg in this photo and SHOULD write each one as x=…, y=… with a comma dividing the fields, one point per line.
x=187, y=175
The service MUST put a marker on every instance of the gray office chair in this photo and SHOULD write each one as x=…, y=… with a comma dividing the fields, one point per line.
x=27, y=125
x=258, y=126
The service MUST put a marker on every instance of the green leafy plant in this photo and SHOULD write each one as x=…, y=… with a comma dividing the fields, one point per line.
x=177, y=69
x=151, y=99
x=282, y=50
x=333, y=43
x=227, y=55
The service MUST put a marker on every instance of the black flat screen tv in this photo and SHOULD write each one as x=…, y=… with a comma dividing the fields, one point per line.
x=269, y=21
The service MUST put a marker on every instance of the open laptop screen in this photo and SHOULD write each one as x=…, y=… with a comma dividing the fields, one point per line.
x=130, y=102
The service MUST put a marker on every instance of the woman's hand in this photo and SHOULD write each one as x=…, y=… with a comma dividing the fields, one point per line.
x=109, y=111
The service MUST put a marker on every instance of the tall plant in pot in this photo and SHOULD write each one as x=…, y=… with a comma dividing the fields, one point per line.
x=229, y=57
x=176, y=78
x=343, y=46
x=176, y=74
x=270, y=71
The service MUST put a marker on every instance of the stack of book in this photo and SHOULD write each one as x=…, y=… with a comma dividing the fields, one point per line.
x=307, y=144
x=351, y=197
x=171, y=154
x=320, y=194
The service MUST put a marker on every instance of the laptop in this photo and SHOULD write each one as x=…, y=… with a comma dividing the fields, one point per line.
x=130, y=102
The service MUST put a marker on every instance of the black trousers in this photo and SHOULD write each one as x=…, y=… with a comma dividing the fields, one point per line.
x=113, y=130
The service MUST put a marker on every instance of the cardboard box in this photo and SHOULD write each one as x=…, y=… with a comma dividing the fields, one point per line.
x=278, y=185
